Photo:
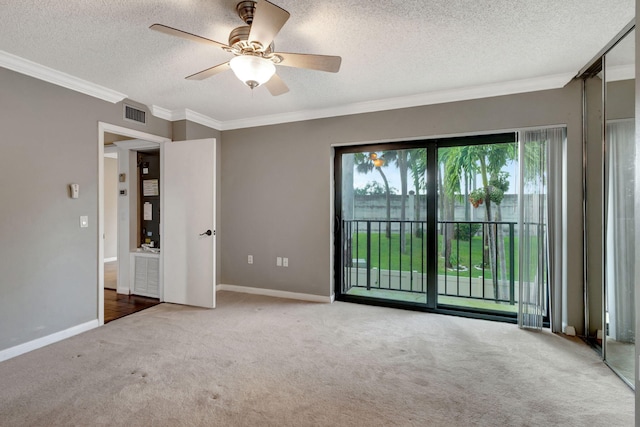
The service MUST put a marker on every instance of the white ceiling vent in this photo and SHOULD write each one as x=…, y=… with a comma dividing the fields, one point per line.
x=135, y=115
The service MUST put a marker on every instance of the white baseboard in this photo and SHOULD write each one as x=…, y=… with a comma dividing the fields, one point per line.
x=115, y=258
x=275, y=293
x=49, y=339
x=124, y=291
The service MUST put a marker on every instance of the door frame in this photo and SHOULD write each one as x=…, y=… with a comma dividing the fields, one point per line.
x=119, y=130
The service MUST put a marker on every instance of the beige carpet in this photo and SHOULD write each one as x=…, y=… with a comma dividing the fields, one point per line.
x=258, y=361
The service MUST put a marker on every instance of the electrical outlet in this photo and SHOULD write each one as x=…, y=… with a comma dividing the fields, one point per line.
x=285, y=262
x=279, y=261
x=250, y=259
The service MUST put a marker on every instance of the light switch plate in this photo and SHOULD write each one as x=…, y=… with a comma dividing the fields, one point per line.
x=84, y=221
x=279, y=261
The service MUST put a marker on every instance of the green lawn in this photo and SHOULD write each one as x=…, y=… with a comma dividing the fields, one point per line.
x=385, y=254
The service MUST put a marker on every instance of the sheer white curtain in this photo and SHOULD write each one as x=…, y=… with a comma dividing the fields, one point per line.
x=540, y=228
x=620, y=230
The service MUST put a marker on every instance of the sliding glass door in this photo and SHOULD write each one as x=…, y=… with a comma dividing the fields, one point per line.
x=383, y=209
x=447, y=225
x=477, y=221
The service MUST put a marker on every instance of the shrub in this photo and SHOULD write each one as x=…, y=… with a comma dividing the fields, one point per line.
x=461, y=231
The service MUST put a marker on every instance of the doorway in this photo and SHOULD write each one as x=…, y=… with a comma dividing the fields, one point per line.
x=187, y=230
x=119, y=302
x=432, y=225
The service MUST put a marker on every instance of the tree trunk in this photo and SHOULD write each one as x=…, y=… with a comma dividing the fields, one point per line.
x=503, y=293
x=490, y=235
x=404, y=170
x=449, y=214
x=447, y=204
x=467, y=204
x=388, y=194
x=416, y=206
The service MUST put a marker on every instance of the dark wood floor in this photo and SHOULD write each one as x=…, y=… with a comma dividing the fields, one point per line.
x=120, y=305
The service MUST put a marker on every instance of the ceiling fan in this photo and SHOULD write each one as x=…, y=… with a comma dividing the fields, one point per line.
x=252, y=44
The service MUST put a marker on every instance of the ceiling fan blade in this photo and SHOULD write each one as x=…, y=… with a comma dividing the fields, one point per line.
x=267, y=22
x=276, y=86
x=327, y=63
x=184, y=35
x=209, y=72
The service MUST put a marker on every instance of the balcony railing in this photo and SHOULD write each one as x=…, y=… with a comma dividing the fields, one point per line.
x=392, y=256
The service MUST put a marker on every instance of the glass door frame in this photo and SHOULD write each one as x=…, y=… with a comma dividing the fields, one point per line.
x=431, y=218
x=431, y=264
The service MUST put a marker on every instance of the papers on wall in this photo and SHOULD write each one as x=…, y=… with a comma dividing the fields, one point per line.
x=148, y=212
x=150, y=187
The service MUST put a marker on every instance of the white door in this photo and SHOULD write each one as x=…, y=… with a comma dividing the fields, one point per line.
x=188, y=222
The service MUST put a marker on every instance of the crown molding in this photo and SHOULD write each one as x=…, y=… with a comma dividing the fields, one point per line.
x=41, y=72
x=196, y=117
x=161, y=113
x=186, y=114
x=68, y=81
x=555, y=81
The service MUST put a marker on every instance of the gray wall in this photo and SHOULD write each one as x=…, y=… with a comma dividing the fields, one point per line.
x=184, y=130
x=286, y=170
x=50, y=138
x=49, y=264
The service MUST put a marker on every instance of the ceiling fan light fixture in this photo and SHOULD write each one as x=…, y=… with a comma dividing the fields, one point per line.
x=252, y=70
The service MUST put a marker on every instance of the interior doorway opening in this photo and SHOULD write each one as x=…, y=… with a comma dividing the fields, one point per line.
x=119, y=230
x=129, y=166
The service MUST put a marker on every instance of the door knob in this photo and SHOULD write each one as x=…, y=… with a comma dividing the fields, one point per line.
x=208, y=233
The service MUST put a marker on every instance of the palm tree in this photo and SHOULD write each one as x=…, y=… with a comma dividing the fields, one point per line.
x=418, y=168
x=448, y=183
x=492, y=159
x=403, y=165
x=366, y=163
x=487, y=161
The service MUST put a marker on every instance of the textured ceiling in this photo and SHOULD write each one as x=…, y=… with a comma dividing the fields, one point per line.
x=390, y=49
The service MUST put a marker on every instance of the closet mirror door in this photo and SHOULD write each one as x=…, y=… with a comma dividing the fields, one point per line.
x=619, y=200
